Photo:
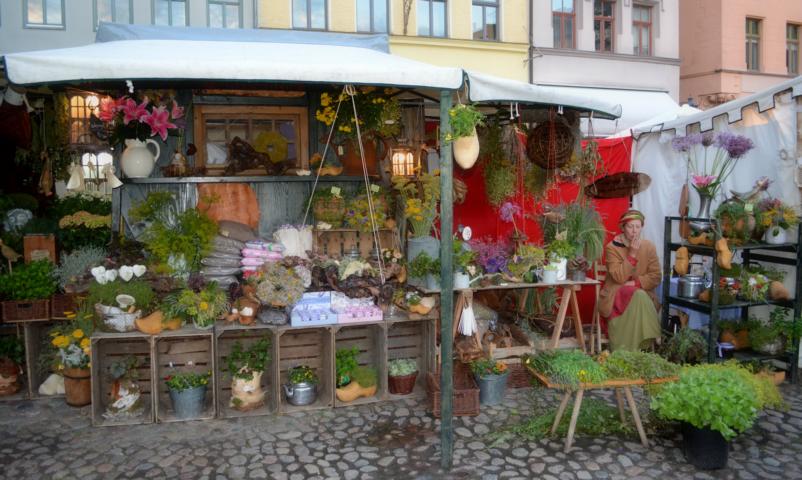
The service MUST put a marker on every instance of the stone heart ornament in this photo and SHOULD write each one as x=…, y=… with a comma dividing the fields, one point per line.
x=126, y=272
x=100, y=274
x=139, y=270
x=110, y=275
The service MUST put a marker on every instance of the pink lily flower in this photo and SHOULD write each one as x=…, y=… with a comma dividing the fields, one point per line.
x=702, y=181
x=159, y=121
x=176, y=112
x=107, y=110
x=132, y=111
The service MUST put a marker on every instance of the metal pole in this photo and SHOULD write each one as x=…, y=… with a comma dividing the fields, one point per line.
x=446, y=286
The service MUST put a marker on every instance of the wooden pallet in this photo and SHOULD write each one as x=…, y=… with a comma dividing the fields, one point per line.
x=370, y=340
x=225, y=338
x=337, y=242
x=108, y=348
x=313, y=347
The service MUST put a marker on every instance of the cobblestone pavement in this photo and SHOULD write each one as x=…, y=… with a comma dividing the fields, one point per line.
x=47, y=439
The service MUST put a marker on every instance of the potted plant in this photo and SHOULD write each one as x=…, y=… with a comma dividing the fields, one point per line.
x=362, y=214
x=551, y=272
x=775, y=218
x=734, y=332
x=12, y=352
x=72, y=358
x=73, y=277
x=202, y=306
x=581, y=226
x=345, y=364
x=559, y=251
x=464, y=120
x=771, y=338
x=362, y=384
x=419, y=198
x=402, y=374
x=525, y=261
x=301, y=386
x=491, y=376
x=118, y=303
x=423, y=266
x=247, y=367
x=188, y=393
x=735, y=221
x=126, y=394
x=278, y=288
x=328, y=205
x=732, y=397
x=26, y=291
x=464, y=264
x=686, y=346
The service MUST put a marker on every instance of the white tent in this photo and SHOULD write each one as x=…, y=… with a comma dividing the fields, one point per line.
x=668, y=115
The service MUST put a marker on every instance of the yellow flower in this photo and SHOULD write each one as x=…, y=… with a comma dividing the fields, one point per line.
x=78, y=333
x=61, y=341
x=87, y=351
x=203, y=306
x=85, y=343
x=70, y=315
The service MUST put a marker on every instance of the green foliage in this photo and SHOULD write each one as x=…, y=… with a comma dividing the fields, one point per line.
x=483, y=367
x=106, y=294
x=560, y=249
x=80, y=201
x=242, y=363
x=526, y=258
x=202, y=308
x=401, y=367
x=346, y=364
x=366, y=377
x=12, y=347
x=568, y=367
x=75, y=237
x=463, y=255
x=22, y=200
x=124, y=367
x=498, y=170
x=423, y=264
x=76, y=264
x=302, y=374
x=710, y=396
x=464, y=119
x=685, y=346
x=583, y=229
x=179, y=382
x=623, y=364
x=31, y=281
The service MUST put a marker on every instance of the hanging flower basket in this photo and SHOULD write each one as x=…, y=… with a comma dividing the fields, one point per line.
x=329, y=209
x=550, y=144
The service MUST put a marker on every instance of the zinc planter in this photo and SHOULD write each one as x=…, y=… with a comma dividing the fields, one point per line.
x=300, y=394
x=492, y=388
x=189, y=403
x=704, y=448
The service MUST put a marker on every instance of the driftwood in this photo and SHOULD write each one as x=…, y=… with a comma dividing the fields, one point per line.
x=242, y=156
x=622, y=184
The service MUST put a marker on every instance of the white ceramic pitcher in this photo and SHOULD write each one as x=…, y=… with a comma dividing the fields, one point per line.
x=137, y=161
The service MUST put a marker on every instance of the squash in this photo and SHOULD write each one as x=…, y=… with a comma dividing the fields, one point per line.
x=724, y=258
x=682, y=261
x=777, y=291
x=152, y=324
x=232, y=201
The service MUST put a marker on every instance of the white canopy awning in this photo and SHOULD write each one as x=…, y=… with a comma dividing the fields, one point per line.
x=669, y=115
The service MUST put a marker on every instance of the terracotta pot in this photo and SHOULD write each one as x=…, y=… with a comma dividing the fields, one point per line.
x=77, y=387
x=172, y=324
x=352, y=162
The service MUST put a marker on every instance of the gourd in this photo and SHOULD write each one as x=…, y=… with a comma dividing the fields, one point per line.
x=698, y=240
x=682, y=261
x=724, y=254
x=777, y=291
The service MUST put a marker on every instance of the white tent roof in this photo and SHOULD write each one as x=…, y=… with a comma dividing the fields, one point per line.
x=681, y=111
x=733, y=110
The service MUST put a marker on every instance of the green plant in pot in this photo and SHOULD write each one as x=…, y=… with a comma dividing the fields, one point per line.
x=118, y=304
x=491, y=376
x=402, y=374
x=464, y=264
x=301, y=386
x=714, y=403
x=12, y=352
x=363, y=384
x=735, y=221
x=202, y=307
x=525, y=261
x=328, y=205
x=345, y=364
x=188, y=393
x=686, y=346
x=31, y=281
x=419, y=197
x=581, y=226
x=425, y=267
x=246, y=366
x=559, y=251
x=464, y=119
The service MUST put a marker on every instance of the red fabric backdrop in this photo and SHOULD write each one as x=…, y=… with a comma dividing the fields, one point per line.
x=484, y=220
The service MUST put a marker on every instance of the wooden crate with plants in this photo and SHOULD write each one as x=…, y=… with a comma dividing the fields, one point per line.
x=360, y=364
x=412, y=341
x=122, y=382
x=184, y=361
x=246, y=385
x=305, y=355
x=26, y=292
x=338, y=242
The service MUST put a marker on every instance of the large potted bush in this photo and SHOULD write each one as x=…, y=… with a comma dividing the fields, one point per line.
x=201, y=305
x=401, y=375
x=464, y=120
x=247, y=367
x=492, y=379
x=714, y=403
x=188, y=393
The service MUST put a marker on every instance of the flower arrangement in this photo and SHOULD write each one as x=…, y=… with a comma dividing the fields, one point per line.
x=401, y=367
x=157, y=113
x=485, y=366
x=464, y=120
x=357, y=211
x=492, y=255
x=755, y=286
x=707, y=174
x=392, y=256
x=178, y=382
x=464, y=258
x=202, y=307
x=302, y=374
x=419, y=203
x=278, y=286
x=378, y=110
x=526, y=259
x=773, y=214
x=71, y=341
x=328, y=205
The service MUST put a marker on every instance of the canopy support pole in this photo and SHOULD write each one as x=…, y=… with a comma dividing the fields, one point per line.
x=446, y=285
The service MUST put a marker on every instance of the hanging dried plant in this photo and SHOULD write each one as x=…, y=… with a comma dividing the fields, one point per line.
x=499, y=171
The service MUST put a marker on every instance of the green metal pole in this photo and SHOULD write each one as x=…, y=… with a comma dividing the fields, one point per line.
x=446, y=286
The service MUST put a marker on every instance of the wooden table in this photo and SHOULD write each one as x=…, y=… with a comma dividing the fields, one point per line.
x=568, y=299
x=618, y=385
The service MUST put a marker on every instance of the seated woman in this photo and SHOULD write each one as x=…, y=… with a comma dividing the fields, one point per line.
x=627, y=298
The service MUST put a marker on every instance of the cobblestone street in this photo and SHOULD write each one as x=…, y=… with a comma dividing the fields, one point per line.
x=48, y=439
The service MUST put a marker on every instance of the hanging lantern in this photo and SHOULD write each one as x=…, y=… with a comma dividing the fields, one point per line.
x=403, y=159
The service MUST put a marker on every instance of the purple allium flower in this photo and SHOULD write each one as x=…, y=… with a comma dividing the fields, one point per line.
x=683, y=144
x=508, y=211
x=708, y=139
x=735, y=145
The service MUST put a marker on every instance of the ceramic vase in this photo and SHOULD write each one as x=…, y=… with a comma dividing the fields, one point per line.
x=137, y=160
x=776, y=236
x=466, y=150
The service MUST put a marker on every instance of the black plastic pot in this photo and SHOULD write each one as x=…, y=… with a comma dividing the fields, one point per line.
x=704, y=448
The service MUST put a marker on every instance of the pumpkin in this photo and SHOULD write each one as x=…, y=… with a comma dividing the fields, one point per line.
x=777, y=291
x=682, y=261
x=724, y=258
x=229, y=201
x=152, y=324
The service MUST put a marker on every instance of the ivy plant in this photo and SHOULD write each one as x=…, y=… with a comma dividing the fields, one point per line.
x=346, y=364
x=242, y=363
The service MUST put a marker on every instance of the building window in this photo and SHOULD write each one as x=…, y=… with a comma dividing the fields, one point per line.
x=225, y=13
x=170, y=12
x=642, y=29
x=309, y=15
x=792, y=48
x=432, y=18
x=485, y=19
x=752, y=44
x=371, y=16
x=44, y=13
x=604, y=25
x=117, y=11
x=563, y=21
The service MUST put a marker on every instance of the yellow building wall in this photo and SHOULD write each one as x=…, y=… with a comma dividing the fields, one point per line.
x=342, y=15
x=273, y=14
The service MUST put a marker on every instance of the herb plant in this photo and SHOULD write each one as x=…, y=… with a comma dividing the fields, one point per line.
x=32, y=281
x=568, y=367
x=345, y=365
x=242, y=363
x=401, y=367
x=179, y=382
x=685, y=346
x=623, y=364
x=464, y=120
x=75, y=265
x=302, y=374
x=366, y=377
x=13, y=348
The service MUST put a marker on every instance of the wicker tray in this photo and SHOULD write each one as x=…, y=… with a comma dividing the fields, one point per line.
x=14, y=311
x=519, y=376
x=466, y=392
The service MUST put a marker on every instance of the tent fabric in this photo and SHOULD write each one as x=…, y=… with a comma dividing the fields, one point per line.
x=681, y=111
x=488, y=88
x=731, y=112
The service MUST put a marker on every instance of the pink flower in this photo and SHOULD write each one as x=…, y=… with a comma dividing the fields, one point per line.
x=159, y=121
x=176, y=112
x=701, y=181
x=132, y=111
x=107, y=110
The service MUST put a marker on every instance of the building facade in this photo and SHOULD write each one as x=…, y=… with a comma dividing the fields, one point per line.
x=735, y=51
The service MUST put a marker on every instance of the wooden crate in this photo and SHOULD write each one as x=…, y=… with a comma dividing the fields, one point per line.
x=370, y=340
x=225, y=338
x=39, y=246
x=35, y=336
x=313, y=347
x=521, y=345
x=108, y=348
x=184, y=350
x=412, y=339
x=61, y=303
x=336, y=242
x=465, y=395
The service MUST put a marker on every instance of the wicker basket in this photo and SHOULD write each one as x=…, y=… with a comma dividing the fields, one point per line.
x=466, y=393
x=550, y=144
x=329, y=209
x=14, y=311
x=519, y=376
x=402, y=385
x=60, y=303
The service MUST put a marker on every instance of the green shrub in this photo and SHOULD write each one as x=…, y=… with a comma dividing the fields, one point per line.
x=243, y=362
x=75, y=265
x=366, y=377
x=179, y=382
x=685, y=346
x=302, y=374
x=32, y=281
x=106, y=294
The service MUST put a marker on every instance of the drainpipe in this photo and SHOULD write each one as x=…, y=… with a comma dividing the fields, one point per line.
x=531, y=50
